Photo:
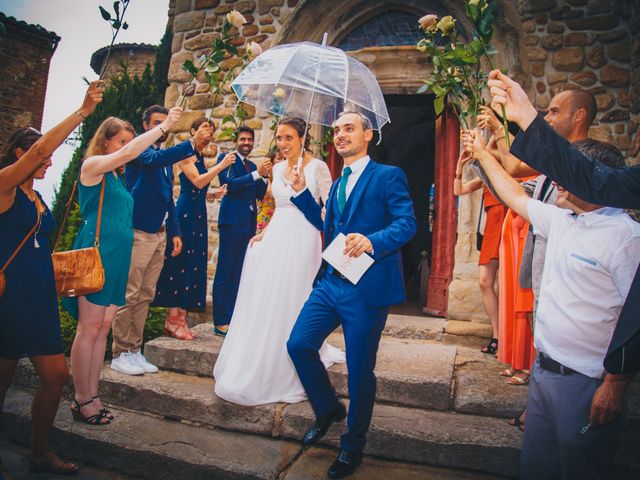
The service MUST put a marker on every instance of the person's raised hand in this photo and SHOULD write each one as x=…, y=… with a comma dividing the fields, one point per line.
x=510, y=94
x=487, y=119
x=172, y=118
x=92, y=98
x=298, y=182
x=264, y=169
x=467, y=137
x=203, y=135
x=228, y=159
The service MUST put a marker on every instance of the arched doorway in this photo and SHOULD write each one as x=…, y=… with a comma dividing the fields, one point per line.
x=399, y=68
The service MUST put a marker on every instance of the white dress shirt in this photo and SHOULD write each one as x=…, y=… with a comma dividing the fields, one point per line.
x=357, y=168
x=590, y=262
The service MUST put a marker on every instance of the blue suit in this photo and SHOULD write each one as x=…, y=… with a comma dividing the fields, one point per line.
x=380, y=208
x=236, y=226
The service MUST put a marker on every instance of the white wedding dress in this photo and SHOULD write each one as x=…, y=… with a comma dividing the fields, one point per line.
x=254, y=367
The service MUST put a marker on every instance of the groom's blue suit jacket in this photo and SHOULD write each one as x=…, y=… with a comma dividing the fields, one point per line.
x=380, y=208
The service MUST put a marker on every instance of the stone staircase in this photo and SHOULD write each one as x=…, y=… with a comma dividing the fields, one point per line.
x=439, y=413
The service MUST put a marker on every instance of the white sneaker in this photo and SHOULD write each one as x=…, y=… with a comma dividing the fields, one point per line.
x=124, y=363
x=138, y=359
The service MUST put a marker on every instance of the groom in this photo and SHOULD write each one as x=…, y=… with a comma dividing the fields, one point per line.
x=370, y=204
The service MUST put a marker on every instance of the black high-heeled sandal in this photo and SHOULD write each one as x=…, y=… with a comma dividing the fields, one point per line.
x=105, y=412
x=491, y=348
x=97, y=419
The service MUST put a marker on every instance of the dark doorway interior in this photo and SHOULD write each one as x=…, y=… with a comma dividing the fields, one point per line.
x=409, y=143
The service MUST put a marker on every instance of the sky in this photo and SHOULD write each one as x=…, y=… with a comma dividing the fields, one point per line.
x=83, y=31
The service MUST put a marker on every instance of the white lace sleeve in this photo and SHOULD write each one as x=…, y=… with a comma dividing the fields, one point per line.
x=323, y=180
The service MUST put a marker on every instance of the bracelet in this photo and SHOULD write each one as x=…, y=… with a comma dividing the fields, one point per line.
x=162, y=130
x=77, y=112
x=458, y=176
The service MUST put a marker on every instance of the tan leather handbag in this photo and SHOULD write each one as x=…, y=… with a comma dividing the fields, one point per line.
x=79, y=272
x=3, y=279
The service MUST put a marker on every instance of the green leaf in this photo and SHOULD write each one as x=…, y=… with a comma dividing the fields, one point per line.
x=106, y=15
x=228, y=118
x=189, y=67
x=438, y=105
x=212, y=68
x=115, y=24
x=116, y=8
x=438, y=90
x=423, y=88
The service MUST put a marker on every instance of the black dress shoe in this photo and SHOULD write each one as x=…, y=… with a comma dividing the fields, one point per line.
x=322, y=424
x=345, y=464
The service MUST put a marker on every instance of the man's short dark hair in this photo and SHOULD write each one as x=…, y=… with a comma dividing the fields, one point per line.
x=364, y=120
x=146, y=115
x=582, y=99
x=602, y=152
x=245, y=129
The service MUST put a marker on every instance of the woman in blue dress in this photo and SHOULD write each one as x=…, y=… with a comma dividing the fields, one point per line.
x=112, y=146
x=183, y=281
x=29, y=320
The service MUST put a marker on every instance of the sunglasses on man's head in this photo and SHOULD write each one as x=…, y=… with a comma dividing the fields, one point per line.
x=29, y=130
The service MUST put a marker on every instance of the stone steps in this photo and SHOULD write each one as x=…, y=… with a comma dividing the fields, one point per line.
x=144, y=446
x=409, y=373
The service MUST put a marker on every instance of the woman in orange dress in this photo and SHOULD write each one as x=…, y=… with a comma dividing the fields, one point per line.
x=488, y=262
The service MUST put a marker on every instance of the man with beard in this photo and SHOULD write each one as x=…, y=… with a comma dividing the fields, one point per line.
x=149, y=179
x=246, y=184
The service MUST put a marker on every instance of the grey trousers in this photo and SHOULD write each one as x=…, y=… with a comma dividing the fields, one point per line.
x=554, y=448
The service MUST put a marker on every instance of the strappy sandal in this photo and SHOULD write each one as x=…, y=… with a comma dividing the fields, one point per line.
x=183, y=316
x=49, y=462
x=97, y=419
x=508, y=372
x=219, y=332
x=105, y=412
x=518, y=421
x=516, y=380
x=491, y=348
x=175, y=326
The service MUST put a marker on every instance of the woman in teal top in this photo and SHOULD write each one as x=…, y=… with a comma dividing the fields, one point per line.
x=112, y=146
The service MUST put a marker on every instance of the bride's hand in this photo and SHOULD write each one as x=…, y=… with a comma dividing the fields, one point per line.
x=256, y=238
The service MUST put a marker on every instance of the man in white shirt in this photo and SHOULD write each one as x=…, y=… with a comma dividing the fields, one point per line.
x=574, y=406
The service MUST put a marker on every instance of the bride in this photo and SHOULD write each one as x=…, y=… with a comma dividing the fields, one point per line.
x=253, y=367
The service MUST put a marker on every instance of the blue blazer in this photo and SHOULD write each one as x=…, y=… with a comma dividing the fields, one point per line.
x=546, y=151
x=238, y=206
x=380, y=208
x=149, y=179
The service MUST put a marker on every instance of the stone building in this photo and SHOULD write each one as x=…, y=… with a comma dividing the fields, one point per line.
x=135, y=56
x=25, y=56
x=547, y=45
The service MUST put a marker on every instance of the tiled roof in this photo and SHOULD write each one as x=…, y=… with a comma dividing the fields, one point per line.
x=98, y=56
x=37, y=29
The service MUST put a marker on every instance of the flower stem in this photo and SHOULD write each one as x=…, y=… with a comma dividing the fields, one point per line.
x=113, y=40
x=504, y=113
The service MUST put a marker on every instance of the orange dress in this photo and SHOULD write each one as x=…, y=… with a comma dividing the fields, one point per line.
x=515, y=337
x=495, y=213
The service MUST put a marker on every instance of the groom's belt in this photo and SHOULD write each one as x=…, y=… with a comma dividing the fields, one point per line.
x=336, y=273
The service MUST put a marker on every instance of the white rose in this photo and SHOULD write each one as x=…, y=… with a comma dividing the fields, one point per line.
x=254, y=49
x=236, y=19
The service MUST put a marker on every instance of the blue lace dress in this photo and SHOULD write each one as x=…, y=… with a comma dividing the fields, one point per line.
x=183, y=280
x=29, y=319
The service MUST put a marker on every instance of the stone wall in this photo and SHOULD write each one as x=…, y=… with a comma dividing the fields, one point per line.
x=546, y=44
x=25, y=55
x=134, y=57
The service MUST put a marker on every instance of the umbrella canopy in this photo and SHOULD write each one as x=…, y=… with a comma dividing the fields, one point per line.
x=311, y=81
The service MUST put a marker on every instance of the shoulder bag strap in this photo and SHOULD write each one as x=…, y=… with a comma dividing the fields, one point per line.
x=24, y=240
x=96, y=243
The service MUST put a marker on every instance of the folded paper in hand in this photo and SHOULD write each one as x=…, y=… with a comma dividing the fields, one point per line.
x=351, y=267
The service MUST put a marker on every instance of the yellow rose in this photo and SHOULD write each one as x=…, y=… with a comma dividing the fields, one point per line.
x=428, y=23
x=236, y=19
x=279, y=93
x=446, y=25
x=253, y=49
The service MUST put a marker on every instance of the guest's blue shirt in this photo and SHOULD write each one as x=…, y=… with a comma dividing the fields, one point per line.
x=149, y=179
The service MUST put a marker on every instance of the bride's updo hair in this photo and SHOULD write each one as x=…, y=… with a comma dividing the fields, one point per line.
x=299, y=126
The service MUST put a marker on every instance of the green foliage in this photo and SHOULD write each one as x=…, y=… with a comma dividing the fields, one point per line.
x=125, y=97
x=153, y=328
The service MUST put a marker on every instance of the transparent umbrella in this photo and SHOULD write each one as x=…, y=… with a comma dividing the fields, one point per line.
x=311, y=81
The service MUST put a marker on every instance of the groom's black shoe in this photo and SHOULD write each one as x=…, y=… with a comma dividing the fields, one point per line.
x=322, y=424
x=345, y=464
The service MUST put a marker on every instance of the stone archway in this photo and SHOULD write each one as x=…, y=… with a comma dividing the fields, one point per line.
x=399, y=70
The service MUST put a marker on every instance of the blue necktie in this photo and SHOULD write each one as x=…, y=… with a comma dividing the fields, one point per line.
x=342, y=188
